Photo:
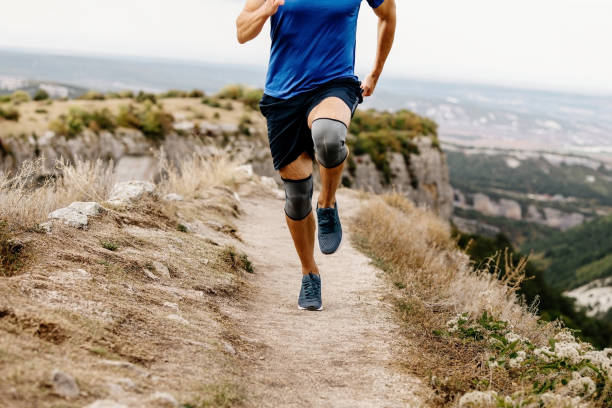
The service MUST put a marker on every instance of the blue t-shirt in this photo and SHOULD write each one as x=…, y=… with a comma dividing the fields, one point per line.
x=313, y=42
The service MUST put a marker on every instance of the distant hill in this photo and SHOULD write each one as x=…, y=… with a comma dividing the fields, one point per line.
x=576, y=256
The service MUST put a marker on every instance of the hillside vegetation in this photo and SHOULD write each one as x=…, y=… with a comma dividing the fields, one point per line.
x=576, y=256
x=465, y=330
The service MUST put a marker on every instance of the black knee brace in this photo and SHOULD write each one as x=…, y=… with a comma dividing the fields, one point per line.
x=298, y=198
x=329, y=136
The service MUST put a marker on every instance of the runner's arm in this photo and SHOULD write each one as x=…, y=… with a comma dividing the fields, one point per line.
x=386, y=33
x=253, y=17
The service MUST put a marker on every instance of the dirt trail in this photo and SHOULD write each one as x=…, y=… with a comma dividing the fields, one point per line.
x=340, y=357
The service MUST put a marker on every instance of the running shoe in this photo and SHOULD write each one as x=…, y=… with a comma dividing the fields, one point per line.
x=330, y=229
x=310, y=295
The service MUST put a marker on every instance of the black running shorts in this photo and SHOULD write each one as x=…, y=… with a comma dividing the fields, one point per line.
x=288, y=130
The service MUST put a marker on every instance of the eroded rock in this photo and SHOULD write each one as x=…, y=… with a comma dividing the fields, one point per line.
x=70, y=216
x=64, y=385
x=130, y=191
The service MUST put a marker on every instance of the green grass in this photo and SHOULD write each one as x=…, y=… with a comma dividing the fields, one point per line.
x=223, y=395
x=110, y=245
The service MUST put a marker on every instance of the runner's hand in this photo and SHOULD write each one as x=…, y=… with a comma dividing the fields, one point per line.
x=271, y=7
x=369, y=84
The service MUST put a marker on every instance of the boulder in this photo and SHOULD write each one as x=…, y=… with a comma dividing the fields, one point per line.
x=129, y=191
x=136, y=168
x=161, y=269
x=87, y=208
x=70, y=216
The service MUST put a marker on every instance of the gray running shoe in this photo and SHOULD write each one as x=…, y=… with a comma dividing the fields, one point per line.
x=330, y=229
x=310, y=295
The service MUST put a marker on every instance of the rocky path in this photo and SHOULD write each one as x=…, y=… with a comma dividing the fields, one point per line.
x=340, y=357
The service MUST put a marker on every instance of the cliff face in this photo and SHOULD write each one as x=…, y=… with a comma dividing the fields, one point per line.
x=423, y=177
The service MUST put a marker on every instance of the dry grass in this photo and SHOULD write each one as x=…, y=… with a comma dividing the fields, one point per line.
x=28, y=196
x=96, y=311
x=197, y=174
x=436, y=282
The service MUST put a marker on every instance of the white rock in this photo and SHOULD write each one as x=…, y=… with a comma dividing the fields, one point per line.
x=173, y=197
x=247, y=169
x=163, y=400
x=106, y=404
x=150, y=274
x=70, y=216
x=177, y=318
x=185, y=126
x=161, y=269
x=171, y=305
x=64, y=385
x=269, y=182
x=87, y=208
x=128, y=191
x=229, y=348
x=279, y=194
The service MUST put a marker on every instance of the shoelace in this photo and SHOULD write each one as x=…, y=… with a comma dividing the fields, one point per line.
x=311, y=289
x=327, y=221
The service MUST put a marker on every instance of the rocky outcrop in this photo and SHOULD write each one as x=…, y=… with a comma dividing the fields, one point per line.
x=423, y=177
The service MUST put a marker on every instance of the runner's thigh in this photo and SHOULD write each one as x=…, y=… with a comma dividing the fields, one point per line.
x=331, y=108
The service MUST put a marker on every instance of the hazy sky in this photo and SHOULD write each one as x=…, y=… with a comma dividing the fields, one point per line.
x=563, y=44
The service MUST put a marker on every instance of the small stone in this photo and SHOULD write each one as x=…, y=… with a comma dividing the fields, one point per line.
x=163, y=400
x=70, y=216
x=64, y=385
x=171, y=305
x=177, y=318
x=161, y=269
x=173, y=197
x=229, y=348
x=279, y=194
x=150, y=274
x=126, y=383
x=106, y=404
x=88, y=208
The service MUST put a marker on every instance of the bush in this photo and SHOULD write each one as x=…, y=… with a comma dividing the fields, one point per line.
x=234, y=92
x=149, y=119
x=126, y=94
x=252, y=97
x=5, y=98
x=18, y=97
x=174, y=93
x=9, y=113
x=143, y=97
x=77, y=120
x=196, y=93
x=212, y=102
x=92, y=96
x=41, y=95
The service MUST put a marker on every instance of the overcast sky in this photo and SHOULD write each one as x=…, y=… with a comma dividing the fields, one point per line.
x=560, y=44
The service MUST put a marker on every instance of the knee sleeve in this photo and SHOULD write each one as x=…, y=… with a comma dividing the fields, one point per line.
x=298, y=198
x=329, y=136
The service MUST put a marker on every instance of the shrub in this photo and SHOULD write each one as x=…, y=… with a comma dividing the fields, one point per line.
x=196, y=93
x=143, y=97
x=78, y=120
x=252, y=97
x=126, y=94
x=174, y=93
x=5, y=98
x=234, y=92
x=92, y=96
x=18, y=97
x=9, y=113
x=212, y=102
x=149, y=119
x=41, y=95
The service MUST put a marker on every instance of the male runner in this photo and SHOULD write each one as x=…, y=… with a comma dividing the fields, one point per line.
x=310, y=96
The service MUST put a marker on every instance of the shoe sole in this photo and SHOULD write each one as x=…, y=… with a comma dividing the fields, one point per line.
x=337, y=249
x=311, y=308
